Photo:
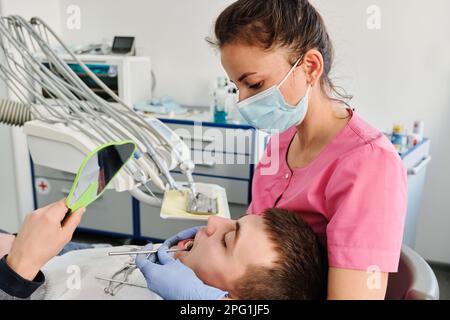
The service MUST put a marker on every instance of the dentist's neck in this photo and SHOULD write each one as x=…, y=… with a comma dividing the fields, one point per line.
x=322, y=121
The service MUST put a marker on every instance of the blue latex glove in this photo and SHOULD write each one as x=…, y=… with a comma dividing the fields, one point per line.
x=170, y=278
x=182, y=235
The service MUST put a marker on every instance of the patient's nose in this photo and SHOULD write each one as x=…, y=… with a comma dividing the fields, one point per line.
x=214, y=223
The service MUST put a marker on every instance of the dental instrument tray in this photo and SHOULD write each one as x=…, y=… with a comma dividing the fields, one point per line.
x=183, y=205
x=201, y=204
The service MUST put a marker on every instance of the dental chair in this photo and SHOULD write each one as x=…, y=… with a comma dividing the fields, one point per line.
x=415, y=279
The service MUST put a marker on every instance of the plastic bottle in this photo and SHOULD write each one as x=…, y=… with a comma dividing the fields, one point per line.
x=398, y=138
x=220, y=96
x=419, y=128
x=413, y=140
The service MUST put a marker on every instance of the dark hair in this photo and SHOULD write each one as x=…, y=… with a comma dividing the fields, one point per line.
x=300, y=272
x=292, y=24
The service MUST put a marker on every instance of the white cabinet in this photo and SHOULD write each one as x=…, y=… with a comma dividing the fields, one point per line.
x=416, y=162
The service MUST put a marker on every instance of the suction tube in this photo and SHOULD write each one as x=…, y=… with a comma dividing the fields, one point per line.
x=14, y=113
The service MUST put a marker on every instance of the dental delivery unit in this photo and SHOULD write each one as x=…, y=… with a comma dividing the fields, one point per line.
x=64, y=120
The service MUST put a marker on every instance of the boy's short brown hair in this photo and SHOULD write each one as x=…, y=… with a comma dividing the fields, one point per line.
x=300, y=273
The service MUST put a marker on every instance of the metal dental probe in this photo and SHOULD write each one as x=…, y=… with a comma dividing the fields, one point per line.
x=123, y=253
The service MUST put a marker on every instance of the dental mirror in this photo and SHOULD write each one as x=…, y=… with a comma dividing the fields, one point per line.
x=96, y=172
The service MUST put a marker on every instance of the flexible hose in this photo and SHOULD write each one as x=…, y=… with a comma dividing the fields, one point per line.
x=14, y=113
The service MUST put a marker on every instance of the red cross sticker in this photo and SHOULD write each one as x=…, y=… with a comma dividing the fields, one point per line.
x=43, y=186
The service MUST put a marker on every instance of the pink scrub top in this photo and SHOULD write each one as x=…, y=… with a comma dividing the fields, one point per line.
x=353, y=195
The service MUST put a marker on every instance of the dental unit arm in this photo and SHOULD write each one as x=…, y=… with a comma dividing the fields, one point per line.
x=64, y=119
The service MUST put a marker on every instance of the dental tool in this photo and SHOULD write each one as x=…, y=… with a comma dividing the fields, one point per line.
x=148, y=252
x=114, y=284
x=121, y=282
x=200, y=204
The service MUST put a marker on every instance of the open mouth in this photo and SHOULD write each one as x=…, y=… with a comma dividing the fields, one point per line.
x=186, y=244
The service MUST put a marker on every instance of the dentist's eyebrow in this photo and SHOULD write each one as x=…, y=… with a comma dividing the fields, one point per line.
x=245, y=75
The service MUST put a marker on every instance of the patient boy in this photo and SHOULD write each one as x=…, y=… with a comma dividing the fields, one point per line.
x=274, y=256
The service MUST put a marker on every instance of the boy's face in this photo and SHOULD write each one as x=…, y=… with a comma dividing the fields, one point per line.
x=224, y=249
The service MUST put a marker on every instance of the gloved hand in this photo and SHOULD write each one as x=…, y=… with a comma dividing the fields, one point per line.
x=170, y=278
x=182, y=235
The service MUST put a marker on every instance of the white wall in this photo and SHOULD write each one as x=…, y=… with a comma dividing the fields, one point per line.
x=9, y=211
x=402, y=73
x=16, y=189
x=171, y=32
x=399, y=73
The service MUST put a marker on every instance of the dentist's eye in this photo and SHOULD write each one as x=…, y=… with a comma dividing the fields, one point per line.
x=256, y=86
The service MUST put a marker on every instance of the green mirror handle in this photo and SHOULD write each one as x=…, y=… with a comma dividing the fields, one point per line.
x=86, y=198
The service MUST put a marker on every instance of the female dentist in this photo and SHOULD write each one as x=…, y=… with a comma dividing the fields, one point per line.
x=326, y=163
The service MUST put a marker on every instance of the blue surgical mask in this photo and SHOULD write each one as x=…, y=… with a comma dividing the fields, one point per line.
x=268, y=111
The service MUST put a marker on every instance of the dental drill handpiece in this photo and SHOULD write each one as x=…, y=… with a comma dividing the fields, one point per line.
x=187, y=168
x=192, y=184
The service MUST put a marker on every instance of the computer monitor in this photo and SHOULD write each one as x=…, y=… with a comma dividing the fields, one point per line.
x=122, y=45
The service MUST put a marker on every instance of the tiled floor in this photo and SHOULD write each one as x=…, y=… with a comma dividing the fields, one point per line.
x=442, y=273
